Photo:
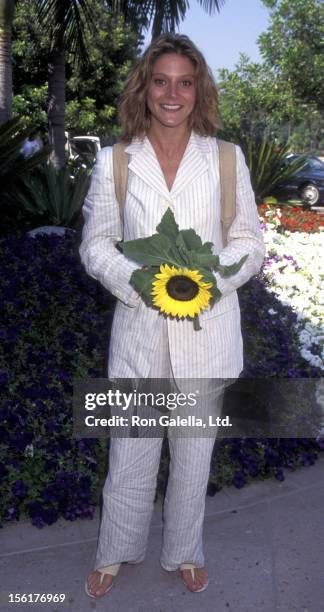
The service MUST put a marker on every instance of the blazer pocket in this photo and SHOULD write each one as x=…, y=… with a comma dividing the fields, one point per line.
x=132, y=303
x=226, y=304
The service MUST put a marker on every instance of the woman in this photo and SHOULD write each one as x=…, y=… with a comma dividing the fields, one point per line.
x=169, y=113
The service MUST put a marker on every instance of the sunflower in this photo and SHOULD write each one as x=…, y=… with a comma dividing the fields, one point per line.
x=180, y=292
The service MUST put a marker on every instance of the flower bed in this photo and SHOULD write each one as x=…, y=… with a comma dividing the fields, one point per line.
x=291, y=218
x=55, y=330
x=293, y=271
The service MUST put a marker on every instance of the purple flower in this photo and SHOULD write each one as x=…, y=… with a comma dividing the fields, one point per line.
x=52, y=426
x=85, y=482
x=19, y=488
x=3, y=469
x=92, y=341
x=239, y=480
x=51, y=465
x=253, y=469
x=4, y=378
x=34, y=392
x=67, y=338
x=279, y=475
x=51, y=493
x=19, y=439
x=12, y=513
x=42, y=515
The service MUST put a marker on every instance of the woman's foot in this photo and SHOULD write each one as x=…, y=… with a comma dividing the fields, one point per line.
x=99, y=585
x=196, y=580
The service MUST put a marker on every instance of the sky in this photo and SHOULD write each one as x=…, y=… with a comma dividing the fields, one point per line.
x=224, y=35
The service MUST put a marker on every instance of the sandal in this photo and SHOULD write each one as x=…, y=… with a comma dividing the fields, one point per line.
x=112, y=570
x=192, y=567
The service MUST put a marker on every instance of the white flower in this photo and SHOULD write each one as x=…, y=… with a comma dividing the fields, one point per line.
x=272, y=312
x=301, y=289
x=29, y=450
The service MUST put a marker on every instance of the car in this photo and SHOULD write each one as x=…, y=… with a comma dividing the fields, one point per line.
x=307, y=184
x=82, y=149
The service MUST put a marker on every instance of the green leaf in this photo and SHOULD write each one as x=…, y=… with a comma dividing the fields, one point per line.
x=208, y=277
x=194, y=253
x=168, y=226
x=207, y=248
x=226, y=271
x=152, y=251
x=191, y=239
x=216, y=296
x=142, y=280
x=182, y=248
x=203, y=260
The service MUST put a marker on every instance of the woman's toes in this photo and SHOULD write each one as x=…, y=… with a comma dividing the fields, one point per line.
x=200, y=580
x=190, y=583
x=106, y=583
x=95, y=587
x=202, y=576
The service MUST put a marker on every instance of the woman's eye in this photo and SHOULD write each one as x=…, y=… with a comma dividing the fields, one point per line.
x=159, y=81
x=186, y=83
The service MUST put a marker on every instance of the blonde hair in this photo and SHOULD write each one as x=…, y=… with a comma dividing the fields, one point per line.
x=134, y=114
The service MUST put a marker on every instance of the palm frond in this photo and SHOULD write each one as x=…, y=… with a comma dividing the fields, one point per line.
x=54, y=194
x=142, y=11
x=67, y=21
x=265, y=162
x=12, y=164
x=211, y=5
x=166, y=15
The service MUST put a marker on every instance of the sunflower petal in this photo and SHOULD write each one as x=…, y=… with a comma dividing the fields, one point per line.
x=168, y=304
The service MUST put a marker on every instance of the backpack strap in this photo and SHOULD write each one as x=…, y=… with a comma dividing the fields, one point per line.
x=227, y=173
x=120, y=170
x=227, y=176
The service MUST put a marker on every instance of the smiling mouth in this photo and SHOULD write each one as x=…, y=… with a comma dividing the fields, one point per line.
x=171, y=107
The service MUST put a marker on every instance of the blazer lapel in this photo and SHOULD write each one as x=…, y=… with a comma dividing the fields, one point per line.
x=193, y=164
x=145, y=164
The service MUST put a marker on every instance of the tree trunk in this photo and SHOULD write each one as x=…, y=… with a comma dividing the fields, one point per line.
x=7, y=8
x=56, y=107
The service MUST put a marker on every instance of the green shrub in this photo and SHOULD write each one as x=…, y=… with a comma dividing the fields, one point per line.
x=56, y=195
x=265, y=162
x=12, y=164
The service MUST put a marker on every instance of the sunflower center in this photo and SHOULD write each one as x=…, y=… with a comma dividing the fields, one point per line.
x=182, y=288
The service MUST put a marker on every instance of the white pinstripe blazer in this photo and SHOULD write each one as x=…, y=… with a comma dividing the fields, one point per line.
x=216, y=351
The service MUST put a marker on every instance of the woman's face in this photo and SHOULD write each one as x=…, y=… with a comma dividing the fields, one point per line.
x=171, y=94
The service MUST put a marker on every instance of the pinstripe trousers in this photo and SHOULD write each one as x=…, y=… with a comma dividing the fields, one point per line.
x=129, y=490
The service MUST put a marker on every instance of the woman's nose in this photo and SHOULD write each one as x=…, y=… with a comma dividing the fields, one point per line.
x=172, y=90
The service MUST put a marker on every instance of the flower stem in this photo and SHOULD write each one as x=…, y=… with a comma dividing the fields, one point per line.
x=196, y=323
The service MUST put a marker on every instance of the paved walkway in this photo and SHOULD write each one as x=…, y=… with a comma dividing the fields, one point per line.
x=264, y=549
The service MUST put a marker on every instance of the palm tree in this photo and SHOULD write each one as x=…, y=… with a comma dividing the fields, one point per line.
x=165, y=14
x=7, y=9
x=66, y=21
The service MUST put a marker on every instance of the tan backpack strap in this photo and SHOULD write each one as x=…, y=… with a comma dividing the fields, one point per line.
x=120, y=170
x=227, y=174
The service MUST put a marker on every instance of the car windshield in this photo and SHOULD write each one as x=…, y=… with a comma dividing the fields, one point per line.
x=312, y=165
x=315, y=164
x=83, y=147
